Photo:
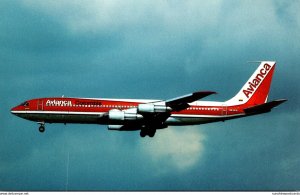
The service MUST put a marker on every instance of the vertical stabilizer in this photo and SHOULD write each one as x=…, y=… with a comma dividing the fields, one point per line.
x=256, y=89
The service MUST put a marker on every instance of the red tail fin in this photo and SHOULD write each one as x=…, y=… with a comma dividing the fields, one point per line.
x=256, y=89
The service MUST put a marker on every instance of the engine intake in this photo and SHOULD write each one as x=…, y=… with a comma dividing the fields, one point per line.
x=151, y=108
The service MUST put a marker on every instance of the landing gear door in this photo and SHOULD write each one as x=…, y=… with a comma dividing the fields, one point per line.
x=40, y=105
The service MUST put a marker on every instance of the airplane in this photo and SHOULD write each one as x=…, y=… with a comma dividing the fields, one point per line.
x=147, y=116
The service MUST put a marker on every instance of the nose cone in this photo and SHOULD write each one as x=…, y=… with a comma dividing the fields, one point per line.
x=15, y=110
x=19, y=110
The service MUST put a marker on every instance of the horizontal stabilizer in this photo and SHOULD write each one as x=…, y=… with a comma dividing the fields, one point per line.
x=181, y=102
x=266, y=107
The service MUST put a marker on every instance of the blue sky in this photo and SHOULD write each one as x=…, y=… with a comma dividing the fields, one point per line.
x=155, y=50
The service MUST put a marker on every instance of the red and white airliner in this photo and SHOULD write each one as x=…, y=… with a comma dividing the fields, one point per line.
x=150, y=115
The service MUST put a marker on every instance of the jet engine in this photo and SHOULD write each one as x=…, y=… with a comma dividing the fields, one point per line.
x=123, y=127
x=119, y=115
x=151, y=108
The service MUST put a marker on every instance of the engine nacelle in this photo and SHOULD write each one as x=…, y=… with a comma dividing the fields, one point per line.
x=122, y=127
x=115, y=127
x=119, y=115
x=151, y=108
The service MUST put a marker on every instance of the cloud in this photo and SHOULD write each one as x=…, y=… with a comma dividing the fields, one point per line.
x=96, y=15
x=174, y=148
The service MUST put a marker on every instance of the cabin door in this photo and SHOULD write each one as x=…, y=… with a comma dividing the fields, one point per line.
x=40, y=105
x=224, y=109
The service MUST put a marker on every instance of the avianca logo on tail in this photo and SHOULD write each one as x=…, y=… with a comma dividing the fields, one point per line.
x=252, y=85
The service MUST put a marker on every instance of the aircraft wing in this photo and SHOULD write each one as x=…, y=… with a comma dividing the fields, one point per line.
x=266, y=107
x=154, y=113
x=176, y=104
x=181, y=103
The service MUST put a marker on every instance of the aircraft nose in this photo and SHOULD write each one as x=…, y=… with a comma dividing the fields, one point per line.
x=13, y=110
x=19, y=109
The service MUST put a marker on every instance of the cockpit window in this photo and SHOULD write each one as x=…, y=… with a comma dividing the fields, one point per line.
x=24, y=104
